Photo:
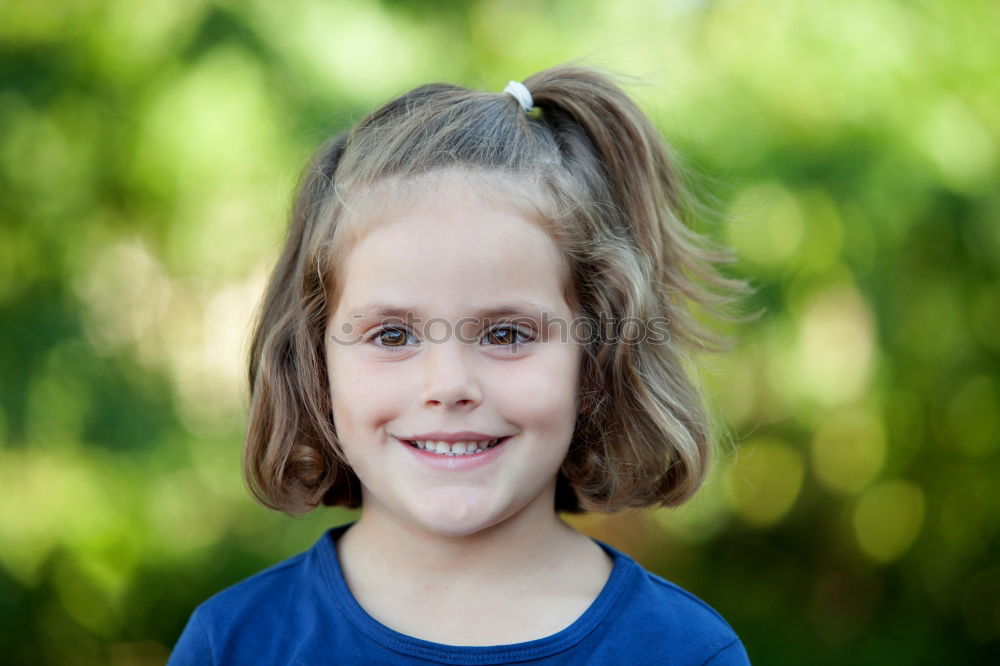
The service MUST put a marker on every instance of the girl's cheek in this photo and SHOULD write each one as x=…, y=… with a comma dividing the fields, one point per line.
x=539, y=390
x=380, y=384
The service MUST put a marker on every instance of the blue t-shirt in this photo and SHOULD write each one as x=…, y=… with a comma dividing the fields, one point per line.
x=301, y=611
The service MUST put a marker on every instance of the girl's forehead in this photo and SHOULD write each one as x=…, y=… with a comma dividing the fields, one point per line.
x=365, y=206
x=428, y=211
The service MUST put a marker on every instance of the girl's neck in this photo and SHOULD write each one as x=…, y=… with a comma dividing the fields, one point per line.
x=514, y=547
x=520, y=580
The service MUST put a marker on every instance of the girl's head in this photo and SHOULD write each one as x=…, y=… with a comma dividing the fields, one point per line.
x=453, y=389
x=446, y=201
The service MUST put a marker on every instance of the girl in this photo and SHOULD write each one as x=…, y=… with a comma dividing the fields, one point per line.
x=479, y=319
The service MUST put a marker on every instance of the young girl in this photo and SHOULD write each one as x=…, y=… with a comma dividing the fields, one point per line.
x=480, y=319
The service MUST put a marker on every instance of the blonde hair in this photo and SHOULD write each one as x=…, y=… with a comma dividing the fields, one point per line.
x=610, y=196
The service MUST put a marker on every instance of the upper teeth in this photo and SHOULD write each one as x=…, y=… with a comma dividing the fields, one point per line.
x=455, y=448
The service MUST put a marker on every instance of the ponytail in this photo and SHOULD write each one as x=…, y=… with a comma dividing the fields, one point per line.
x=645, y=188
x=643, y=436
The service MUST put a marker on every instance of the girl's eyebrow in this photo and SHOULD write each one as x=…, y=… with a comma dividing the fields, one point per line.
x=518, y=309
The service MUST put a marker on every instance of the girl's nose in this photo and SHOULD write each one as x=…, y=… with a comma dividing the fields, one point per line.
x=449, y=376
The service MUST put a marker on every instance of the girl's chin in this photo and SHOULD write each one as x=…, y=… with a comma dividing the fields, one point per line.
x=459, y=511
x=457, y=517
x=456, y=525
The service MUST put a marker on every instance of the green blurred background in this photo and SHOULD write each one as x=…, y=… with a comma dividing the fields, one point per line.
x=147, y=155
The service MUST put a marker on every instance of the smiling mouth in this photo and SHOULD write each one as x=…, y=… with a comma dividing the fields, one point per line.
x=468, y=448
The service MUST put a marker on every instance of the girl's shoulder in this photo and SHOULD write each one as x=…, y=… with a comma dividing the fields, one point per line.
x=275, y=581
x=660, y=616
x=293, y=581
x=666, y=597
x=254, y=620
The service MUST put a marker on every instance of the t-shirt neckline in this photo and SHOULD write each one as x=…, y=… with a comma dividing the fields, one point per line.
x=622, y=570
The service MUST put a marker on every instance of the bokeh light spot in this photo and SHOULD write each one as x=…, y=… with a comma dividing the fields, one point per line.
x=764, y=482
x=125, y=292
x=959, y=145
x=848, y=450
x=888, y=518
x=835, y=349
x=768, y=228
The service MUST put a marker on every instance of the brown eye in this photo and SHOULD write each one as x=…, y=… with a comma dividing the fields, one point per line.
x=391, y=337
x=505, y=335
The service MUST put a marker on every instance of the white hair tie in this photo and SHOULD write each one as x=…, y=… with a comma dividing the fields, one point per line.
x=520, y=92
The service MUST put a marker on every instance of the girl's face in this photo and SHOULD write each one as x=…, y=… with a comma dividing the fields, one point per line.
x=452, y=325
